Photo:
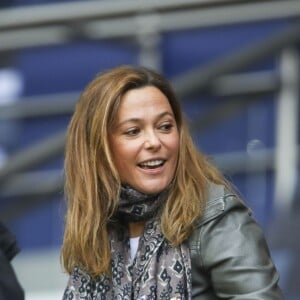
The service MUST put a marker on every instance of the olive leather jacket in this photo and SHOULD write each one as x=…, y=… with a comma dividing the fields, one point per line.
x=229, y=255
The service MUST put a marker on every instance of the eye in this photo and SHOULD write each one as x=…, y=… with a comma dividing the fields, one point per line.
x=166, y=127
x=132, y=132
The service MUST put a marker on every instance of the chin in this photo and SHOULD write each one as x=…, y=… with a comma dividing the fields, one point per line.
x=152, y=189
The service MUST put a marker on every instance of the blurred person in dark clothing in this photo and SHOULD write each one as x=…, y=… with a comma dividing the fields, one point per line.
x=10, y=288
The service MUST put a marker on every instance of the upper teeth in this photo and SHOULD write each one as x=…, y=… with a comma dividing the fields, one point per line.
x=152, y=163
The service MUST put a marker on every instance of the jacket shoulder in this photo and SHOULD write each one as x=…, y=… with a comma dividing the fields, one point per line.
x=219, y=200
x=227, y=240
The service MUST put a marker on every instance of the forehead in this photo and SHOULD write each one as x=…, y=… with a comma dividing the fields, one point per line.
x=143, y=101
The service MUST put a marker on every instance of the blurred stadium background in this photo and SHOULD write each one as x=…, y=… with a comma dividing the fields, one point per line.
x=235, y=66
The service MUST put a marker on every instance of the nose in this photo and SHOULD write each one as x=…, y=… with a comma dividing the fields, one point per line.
x=152, y=140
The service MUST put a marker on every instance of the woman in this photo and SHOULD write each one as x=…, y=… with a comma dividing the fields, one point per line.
x=148, y=216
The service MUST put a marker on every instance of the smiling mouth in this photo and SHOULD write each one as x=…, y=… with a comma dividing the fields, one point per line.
x=152, y=164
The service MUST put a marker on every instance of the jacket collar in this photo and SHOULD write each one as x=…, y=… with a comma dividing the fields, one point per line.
x=215, y=204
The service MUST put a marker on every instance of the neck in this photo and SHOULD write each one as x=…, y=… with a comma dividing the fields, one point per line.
x=136, y=228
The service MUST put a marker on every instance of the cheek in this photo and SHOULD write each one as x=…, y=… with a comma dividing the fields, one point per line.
x=174, y=145
x=123, y=152
x=116, y=152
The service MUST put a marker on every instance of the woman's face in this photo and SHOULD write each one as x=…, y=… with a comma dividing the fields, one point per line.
x=145, y=141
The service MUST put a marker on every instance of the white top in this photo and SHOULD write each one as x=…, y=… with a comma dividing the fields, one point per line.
x=134, y=243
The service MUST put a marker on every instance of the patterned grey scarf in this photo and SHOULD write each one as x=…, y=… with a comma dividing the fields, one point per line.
x=136, y=206
x=159, y=271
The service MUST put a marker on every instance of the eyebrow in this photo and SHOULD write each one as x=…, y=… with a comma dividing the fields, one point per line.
x=136, y=120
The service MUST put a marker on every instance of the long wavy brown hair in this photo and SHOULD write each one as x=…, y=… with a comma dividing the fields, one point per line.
x=92, y=183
